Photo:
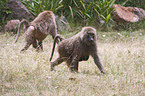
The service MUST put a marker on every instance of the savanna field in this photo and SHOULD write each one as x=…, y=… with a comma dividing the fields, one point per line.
x=28, y=73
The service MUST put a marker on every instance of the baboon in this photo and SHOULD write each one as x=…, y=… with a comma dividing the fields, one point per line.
x=38, y=29
x=11, y=25
x=77, y=48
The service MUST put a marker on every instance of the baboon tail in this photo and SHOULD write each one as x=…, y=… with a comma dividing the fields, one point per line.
x=58, y=38
x=27, y=24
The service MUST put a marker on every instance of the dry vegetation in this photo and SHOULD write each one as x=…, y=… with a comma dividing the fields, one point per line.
x=28, y=73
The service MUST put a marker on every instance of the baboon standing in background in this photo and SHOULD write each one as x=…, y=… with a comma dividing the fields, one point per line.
x=77, y=48
x=38, y=29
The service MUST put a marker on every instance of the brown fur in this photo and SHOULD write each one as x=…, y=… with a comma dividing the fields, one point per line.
x=78, y=48
x=38, y=29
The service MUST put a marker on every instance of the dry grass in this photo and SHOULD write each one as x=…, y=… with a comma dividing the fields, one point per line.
x=28, y=73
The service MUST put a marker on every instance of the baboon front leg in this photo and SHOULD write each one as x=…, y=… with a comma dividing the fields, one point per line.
x=29, y=36
x=98, y=63
x=55, y=63
x=27, y=45
x=29, y=41
x=73, y=64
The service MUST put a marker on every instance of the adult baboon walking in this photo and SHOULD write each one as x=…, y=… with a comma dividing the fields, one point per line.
x=77, y=48
x=38, y=29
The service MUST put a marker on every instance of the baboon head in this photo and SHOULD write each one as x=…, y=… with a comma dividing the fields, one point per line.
x=88, y=35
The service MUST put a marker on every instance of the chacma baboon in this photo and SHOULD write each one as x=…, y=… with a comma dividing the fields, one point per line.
x=77, y=48
x=38, y=29
x=11, y=25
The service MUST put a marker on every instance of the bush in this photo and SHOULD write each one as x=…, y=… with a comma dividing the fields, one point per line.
x=4, y=11
x=78, y=11
x=37, y=6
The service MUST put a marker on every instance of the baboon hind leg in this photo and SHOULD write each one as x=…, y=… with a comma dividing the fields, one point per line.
x=55, y=63
x=29, y=41
x=27, y=45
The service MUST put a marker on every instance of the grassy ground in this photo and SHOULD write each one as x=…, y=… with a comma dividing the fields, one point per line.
x=28, y=73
